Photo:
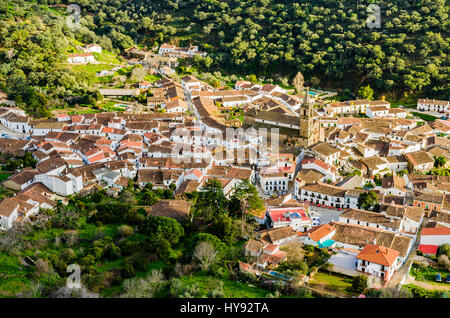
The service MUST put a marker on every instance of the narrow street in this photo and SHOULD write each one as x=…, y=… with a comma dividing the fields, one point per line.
x=401, y=276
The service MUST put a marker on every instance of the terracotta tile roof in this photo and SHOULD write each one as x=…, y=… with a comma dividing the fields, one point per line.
x=253, y=246
x=371, y=217
x=419, y=157
x=394, y=182
x=175, y=209
x=378, y=254
x=275, y=235
x=436, y=231
x=319, y=232
x=325, y=188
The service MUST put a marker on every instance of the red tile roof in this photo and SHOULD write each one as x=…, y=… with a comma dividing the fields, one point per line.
x=428, y=249
x=378, y=254
x=436, y=231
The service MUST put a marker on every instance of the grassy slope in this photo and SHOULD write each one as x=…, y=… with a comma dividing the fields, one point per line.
x=331, y=282
x=12, y=276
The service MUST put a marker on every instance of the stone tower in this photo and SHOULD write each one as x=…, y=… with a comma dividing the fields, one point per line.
x=309, y=128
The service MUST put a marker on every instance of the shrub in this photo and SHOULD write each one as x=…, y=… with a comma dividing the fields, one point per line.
x=129, y=247
x=125, y=230
x=128, y=270
x=359, y=283
x=303, y=292
x=444, y=249
x=146, y=287
x=139, y=261
x=217, y=291
x=88, y=260
x=444, y=262
x=42, y=266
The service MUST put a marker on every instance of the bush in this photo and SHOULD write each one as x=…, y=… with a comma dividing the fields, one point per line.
x=178, y=289
x=125, y=230
x=130, y=247
x=217, y=291
x=444, y=262
x=139, y=261
x=128, y=270
x=146, y=287
x=303, y=292
x=359, y=283
x=444, y=249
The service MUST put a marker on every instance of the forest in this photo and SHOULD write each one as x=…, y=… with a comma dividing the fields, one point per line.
x=329, y=41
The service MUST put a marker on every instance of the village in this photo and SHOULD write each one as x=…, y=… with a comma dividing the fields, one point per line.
x=349, y=177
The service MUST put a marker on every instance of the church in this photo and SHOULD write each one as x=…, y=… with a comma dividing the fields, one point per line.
x=309, y=130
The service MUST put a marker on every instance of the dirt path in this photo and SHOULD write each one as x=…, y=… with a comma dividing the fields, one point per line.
x=426, y=285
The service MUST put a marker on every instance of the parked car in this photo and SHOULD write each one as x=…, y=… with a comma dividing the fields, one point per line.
x=438, y=277
x=447, y=280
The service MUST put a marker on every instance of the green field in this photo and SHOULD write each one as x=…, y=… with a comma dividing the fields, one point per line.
x=331, y=282
x=12, y=276
x=107, y=57
x=419, y=292
x=425, y=117
x=428, y=273
x=152, y=78
x=4, y=176
x=231, y=289
x=109, y=106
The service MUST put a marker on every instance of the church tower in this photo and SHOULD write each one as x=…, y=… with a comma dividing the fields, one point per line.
x=309, y=128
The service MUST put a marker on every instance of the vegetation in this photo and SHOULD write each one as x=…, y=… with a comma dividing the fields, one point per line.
x=327, y=42
x=328, y=39
x=331, y=282
x=419, y=292
x=440, y=161
x=19, y=162
x=124, y=252
x=368, y=200
x=428, y=273
x=359, y=283
x=425, y=117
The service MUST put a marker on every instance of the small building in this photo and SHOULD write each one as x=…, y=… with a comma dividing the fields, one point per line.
x=433, y=237
x=295, y=217
x=81, y=58
x=119, y=92
x=419, y=161
x=319, y=236
x=379, y=261
x=91, y=48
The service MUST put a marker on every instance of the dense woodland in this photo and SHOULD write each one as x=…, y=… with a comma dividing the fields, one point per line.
x=328, y=41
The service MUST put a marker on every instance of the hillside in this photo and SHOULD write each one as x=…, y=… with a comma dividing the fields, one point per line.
x=328, y=40
x=35, y=41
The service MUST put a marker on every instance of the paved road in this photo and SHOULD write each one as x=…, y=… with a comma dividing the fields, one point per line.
x=427, y=285
x=402, y=274
x=435, y=114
